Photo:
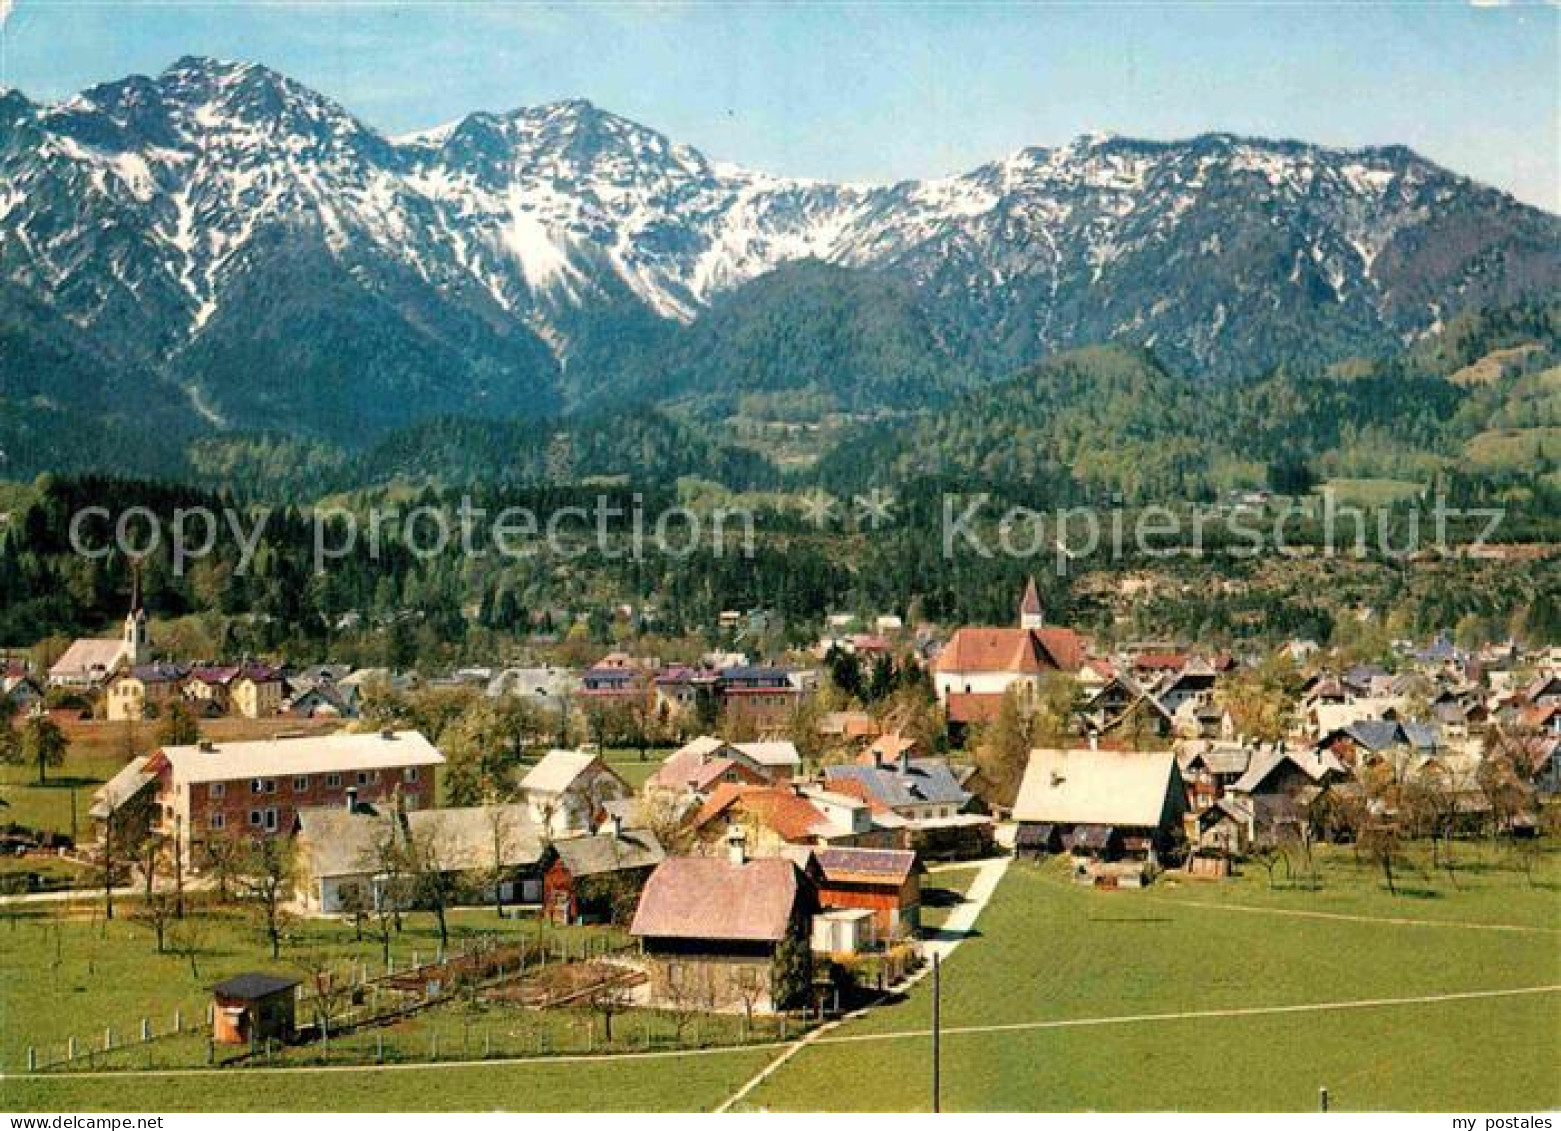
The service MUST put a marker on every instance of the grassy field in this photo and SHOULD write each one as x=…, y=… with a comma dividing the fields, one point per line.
x=943, y=891
x=1045, y=951
x=658, y=1083
x=1063, y=998
x=1372, y=492
x=73, y=975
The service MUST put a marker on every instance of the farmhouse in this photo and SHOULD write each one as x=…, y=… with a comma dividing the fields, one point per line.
x=712, y=927
x=598, y=878
x=569, y=789
x=1104, y=804
x=342, y=853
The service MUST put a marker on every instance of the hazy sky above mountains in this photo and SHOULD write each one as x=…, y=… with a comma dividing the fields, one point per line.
x=878, y=91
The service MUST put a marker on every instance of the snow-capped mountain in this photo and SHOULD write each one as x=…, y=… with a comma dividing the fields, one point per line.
x=273, y=261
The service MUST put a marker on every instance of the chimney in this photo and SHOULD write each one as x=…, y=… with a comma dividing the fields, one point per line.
x=614, y=826
x=352, y=799
x=905, y=761
x=206, y=746
x=877, y=758
x=1094, y=740
x=387, y=734
x=736, y=845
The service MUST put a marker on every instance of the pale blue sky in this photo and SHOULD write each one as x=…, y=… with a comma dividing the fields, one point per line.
x=880, y=91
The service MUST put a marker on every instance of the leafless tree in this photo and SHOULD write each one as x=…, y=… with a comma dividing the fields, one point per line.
x=265, y=883
x=187, y=937
x=329, y=989
x=435, y=880
x=607, y=1000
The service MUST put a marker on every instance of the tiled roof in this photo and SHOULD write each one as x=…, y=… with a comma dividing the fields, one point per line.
x=707, y=897
x=779, y=809
x=927, y=781
x=608, y=852
x=973, y=707
x=865, y=865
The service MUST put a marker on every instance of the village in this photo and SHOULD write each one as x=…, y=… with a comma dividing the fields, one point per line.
x=737, y=854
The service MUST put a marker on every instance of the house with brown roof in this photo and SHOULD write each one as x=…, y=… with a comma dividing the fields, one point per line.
x=884, y=882
x=698, y=767
x=774, y=819
x=979, y=665
x=713, y=929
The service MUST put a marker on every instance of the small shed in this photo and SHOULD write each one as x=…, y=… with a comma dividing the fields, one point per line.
x=253, y=1007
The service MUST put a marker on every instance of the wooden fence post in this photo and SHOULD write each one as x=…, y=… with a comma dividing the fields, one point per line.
x=70, y=1049
x=178, y=1021
x=32, y=1059
x=108, y=1038
x=146, y=1029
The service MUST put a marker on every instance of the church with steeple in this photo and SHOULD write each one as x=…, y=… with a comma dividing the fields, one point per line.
x=978, y=666
x=90, y=661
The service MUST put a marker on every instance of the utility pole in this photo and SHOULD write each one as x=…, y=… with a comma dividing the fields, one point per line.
x=937, y=1008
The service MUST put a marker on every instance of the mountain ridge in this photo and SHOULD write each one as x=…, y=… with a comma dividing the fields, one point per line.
x=523, y=261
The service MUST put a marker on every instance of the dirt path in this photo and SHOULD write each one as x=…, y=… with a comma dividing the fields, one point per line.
x=954, y=931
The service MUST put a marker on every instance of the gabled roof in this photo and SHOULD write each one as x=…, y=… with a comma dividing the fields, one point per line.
x=133, y=777
x=607, y=852
x=926, y=781
x=558, y=771
x=780, y=809
x=1218, y=757
x=1016, y=650
x=88, y=655
x=865, y=865
x=707, y=897
x=1318, y=765
x=773, y=755
x=1094, y=787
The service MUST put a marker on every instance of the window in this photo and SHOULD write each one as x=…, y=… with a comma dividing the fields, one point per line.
x=300, y=783
x=255, y=817
x=270, y=821
x=409, y=774
x=363, y=777
x=216, y=789
x=333, y=781
x=218, y=821
x=256, y=785
x=270, y=785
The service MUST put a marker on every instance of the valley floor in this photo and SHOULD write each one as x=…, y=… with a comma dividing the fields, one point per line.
x=1187, y=996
